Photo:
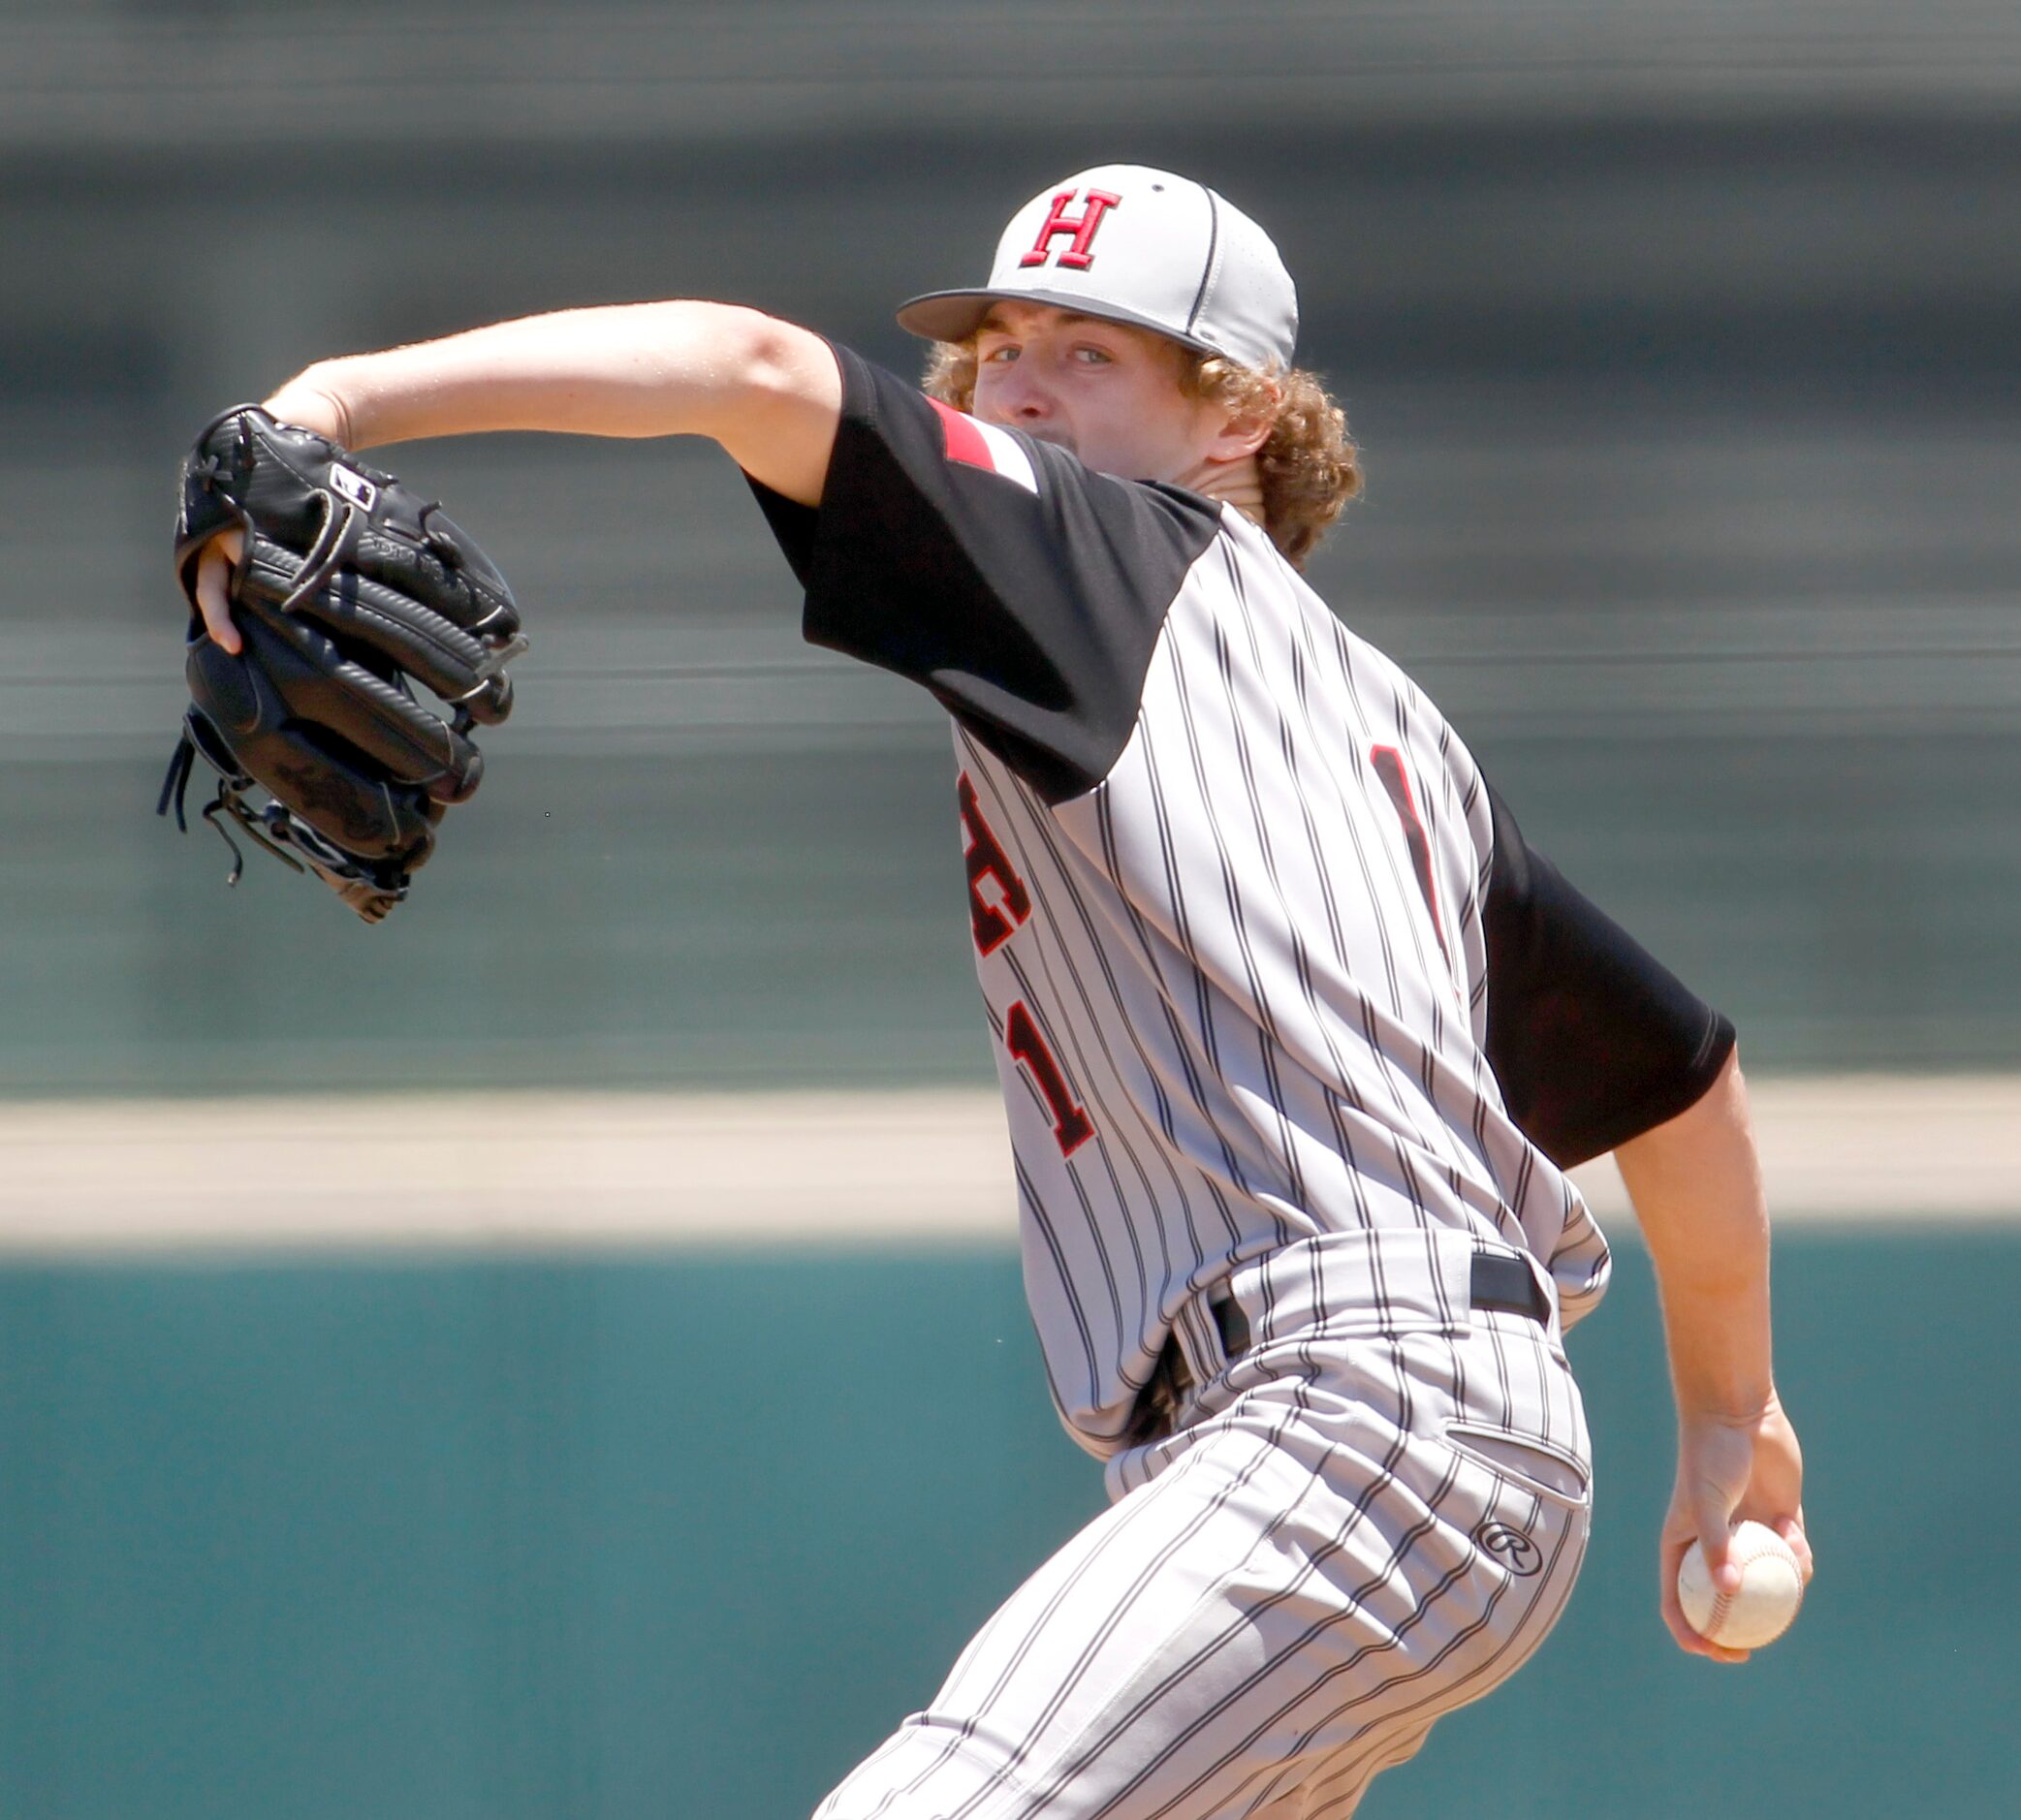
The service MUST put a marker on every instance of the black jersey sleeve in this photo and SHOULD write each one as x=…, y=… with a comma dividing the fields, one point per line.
x=1592, y=1039
x=1024, y=589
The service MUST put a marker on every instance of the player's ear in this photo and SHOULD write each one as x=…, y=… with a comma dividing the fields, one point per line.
x=1246, y=427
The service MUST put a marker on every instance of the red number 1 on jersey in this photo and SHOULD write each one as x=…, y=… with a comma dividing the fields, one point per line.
x=1071, y=1125
x=1389, y=767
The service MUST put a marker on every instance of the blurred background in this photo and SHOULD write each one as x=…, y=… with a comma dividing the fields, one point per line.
x=1682, y=346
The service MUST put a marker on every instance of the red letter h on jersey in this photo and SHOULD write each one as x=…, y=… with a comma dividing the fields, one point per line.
x=1076, y=258
x=987, y=859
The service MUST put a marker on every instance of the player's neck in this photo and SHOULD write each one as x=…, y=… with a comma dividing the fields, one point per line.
x=1238, y=484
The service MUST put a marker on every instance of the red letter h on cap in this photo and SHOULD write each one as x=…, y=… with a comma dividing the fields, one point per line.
x=1058, y=222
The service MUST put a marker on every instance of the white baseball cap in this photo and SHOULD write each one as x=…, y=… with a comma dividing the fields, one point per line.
x=1135, y=245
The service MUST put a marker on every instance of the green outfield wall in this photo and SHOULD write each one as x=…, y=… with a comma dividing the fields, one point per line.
x=682, y=1535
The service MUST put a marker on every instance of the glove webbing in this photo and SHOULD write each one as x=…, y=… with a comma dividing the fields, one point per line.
x=269, y=824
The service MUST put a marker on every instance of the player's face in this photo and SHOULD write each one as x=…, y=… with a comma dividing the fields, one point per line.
x=1109, y=392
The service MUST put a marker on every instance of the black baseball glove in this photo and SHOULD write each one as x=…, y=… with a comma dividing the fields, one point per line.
x=349, y=590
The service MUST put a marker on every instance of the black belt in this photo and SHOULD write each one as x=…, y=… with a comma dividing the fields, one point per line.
x=1500, y=1283
x=1505, y=1284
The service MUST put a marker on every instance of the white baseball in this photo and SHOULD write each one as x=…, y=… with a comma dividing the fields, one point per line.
x=1771, y=1589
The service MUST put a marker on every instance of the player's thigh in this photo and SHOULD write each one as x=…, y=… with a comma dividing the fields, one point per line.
x=1302, y=1582
x=1134, y=1588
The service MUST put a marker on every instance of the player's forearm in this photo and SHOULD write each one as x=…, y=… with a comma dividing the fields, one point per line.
x=629, y=370
x=769, y=392
x=1697, y=1186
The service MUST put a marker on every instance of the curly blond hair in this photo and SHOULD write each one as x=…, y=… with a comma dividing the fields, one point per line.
x=1309, y=465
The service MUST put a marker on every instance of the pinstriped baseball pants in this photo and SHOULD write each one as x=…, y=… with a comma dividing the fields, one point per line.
x=1369, y=1520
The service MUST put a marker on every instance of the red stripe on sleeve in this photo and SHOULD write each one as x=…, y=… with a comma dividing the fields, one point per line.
x=965, y=442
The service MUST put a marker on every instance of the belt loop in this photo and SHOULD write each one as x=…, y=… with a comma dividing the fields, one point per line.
x=1215, y=1333
x=1220, y=1326
x=1234, y=1326
x=1199, y=1342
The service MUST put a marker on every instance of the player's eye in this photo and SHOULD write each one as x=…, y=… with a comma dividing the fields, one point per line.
x=1001, y=355
x=1094, y=356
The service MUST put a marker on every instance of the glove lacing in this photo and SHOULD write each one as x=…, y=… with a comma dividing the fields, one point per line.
x=230, y=799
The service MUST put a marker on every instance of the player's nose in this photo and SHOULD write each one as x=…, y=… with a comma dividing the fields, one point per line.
x=1023, y=396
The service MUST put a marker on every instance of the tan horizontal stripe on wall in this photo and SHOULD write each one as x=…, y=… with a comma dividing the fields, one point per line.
x=558, y=1170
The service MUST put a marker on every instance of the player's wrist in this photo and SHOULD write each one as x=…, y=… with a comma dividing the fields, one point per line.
x=313, y=400
x=1719, y=1340
x=1725, y=1400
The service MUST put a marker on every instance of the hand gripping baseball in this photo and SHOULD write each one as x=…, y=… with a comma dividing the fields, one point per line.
x=1729, y=1469
x=346, y=588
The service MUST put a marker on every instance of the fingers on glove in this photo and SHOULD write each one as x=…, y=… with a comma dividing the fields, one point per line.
x=245, y=469
x=295, y=486
x=358, y=809
x=411, y=545
x=215, y=563
x=369, y=617
x=322, y=685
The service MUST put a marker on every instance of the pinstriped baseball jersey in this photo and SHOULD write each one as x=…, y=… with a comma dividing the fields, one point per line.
x=1256, y=971
x=1229, y=879
x=1294, y=1031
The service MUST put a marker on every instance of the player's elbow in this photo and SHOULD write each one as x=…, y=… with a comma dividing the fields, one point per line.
x=770, y=350
x=774, y=401
x=751, y=363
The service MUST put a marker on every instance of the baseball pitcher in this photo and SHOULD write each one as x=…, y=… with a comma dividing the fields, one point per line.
x=1297, y=1036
